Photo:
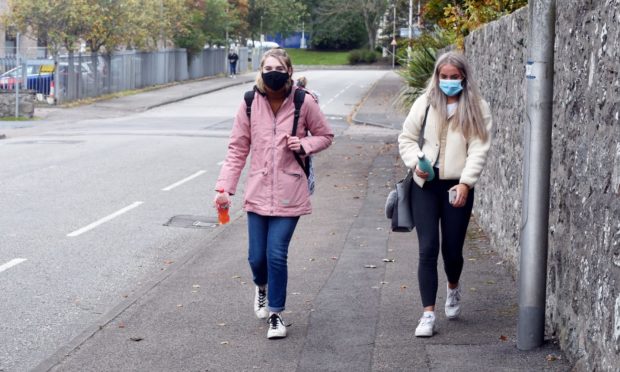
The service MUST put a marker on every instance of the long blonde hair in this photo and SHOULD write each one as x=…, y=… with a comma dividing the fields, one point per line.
x=281, y=55
x=468, y=115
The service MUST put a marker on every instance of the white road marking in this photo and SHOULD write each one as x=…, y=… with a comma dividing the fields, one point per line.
x=336, y=96
x=104, y=219
x=13, y=262
x=199, y=173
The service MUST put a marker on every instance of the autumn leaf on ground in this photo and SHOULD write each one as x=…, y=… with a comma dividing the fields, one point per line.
x=503, y=338
x=136, y=338
x=553, y=357
x=168, y=262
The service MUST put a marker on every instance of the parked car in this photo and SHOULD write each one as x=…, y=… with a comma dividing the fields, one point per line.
x=39, y=76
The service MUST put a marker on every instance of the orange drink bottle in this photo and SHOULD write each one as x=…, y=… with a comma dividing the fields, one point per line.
x=222, y=213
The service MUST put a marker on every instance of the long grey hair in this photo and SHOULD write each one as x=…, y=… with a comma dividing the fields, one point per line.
x=468, y=115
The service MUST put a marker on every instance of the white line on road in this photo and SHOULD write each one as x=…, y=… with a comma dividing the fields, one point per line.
x=104, y=219
x=336, y=96
x=183, y=181
x=13, y=262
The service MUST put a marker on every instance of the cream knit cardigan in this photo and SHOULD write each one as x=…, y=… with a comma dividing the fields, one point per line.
x=459, y=158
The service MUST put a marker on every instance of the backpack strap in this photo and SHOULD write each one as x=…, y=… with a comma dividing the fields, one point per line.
x=249, y=98
x=298, y=99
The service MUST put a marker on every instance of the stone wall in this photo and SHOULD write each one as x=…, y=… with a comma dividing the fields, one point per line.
x=583, y=283
x=26, y=103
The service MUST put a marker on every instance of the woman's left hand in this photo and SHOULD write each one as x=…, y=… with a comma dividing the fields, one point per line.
x=293, y=143
x=462, y=190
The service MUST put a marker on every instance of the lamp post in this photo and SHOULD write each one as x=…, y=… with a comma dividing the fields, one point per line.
x=302, y=43
x=393, y=43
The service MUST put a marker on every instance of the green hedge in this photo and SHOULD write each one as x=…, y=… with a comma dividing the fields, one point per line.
x=362, y=56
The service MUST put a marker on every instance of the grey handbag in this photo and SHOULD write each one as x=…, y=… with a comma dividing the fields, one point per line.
x=399, y=204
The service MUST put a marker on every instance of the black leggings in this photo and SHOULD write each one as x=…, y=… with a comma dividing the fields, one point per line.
x=432, y=209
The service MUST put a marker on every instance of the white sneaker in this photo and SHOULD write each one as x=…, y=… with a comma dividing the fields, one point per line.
x=260, y=303
x=277, y=329
x=453, y=297
x=426, y=327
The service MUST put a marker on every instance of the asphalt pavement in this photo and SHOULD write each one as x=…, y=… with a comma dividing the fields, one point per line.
x=353, y=300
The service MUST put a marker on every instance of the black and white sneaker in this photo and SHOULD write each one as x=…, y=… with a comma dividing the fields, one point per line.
x=277, y=329
x=260, y=303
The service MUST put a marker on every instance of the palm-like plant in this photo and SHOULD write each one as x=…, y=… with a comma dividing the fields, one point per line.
x=419, y=69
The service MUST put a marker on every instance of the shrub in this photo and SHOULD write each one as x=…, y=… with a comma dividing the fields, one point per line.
x=355, y=56
x=362, y=56
x=419, y=69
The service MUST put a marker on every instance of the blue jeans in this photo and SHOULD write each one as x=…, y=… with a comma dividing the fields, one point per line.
x=268, y=252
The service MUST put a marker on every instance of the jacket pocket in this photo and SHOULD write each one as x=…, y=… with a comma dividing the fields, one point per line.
x=292, y=188
x=256, y=188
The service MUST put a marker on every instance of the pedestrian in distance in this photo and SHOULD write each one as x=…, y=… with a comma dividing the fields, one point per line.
x=233, y=57
x=276, y=189
x=457, y=138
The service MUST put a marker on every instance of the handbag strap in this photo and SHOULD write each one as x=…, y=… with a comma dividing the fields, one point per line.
x=421, y=136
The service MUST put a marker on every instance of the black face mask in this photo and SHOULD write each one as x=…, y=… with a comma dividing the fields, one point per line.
x=275, y=80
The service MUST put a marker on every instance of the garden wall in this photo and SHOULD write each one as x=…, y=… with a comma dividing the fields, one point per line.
x=583, y=282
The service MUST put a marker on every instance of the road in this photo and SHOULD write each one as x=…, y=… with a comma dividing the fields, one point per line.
x=89, y=208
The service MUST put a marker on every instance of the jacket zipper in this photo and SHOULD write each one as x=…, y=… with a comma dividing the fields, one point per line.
x=273, y=165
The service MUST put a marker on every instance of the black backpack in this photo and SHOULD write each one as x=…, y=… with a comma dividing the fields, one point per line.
x=300, y=96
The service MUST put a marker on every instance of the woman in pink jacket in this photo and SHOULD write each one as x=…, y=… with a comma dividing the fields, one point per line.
x=276, y=191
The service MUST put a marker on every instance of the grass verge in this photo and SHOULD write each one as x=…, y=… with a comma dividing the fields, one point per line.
x=315, y=57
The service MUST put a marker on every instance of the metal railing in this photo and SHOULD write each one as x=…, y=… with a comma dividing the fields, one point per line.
x=82, y=75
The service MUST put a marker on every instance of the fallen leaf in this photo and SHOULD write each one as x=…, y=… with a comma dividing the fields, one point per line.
x=503, y=338
x=388, y=260
x=553, y=357
x=236, y=277
x=385, y=282
x=334, y=258
x=403, y=287
x=370, y=266
x=196, y=286
x=168, y=262
x=295, y=293
x=311, y=260
x=379, y=228
x=136, y=338
x=221, y=324
x=356, y=197
x=224, y=343
x=471, y=259
x=473, y=289
x=179, y=305
x=121, y=325
x=490, y=282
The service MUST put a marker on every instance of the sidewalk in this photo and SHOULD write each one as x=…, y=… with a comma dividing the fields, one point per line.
x=343, y=316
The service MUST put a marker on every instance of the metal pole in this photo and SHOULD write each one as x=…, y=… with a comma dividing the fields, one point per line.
x=17, y=77
x=537, y=158
x=394, y=36
x=410, y=27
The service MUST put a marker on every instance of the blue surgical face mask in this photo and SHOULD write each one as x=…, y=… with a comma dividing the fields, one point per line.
x=450, y=87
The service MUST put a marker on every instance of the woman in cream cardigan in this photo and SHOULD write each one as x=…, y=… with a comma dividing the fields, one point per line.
x=456, y=141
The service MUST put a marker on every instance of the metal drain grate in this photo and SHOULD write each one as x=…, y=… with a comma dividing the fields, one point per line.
x=192, y=222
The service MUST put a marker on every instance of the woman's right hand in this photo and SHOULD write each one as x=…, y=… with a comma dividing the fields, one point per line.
x=221, y=198
x=420, y=173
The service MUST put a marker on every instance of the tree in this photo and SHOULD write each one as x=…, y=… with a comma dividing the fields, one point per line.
x=371, y=12
x=275, y=16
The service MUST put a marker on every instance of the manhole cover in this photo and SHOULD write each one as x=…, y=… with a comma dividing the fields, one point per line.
x=192, y=222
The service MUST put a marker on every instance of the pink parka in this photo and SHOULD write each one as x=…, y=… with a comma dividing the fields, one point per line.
x=276, y=184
